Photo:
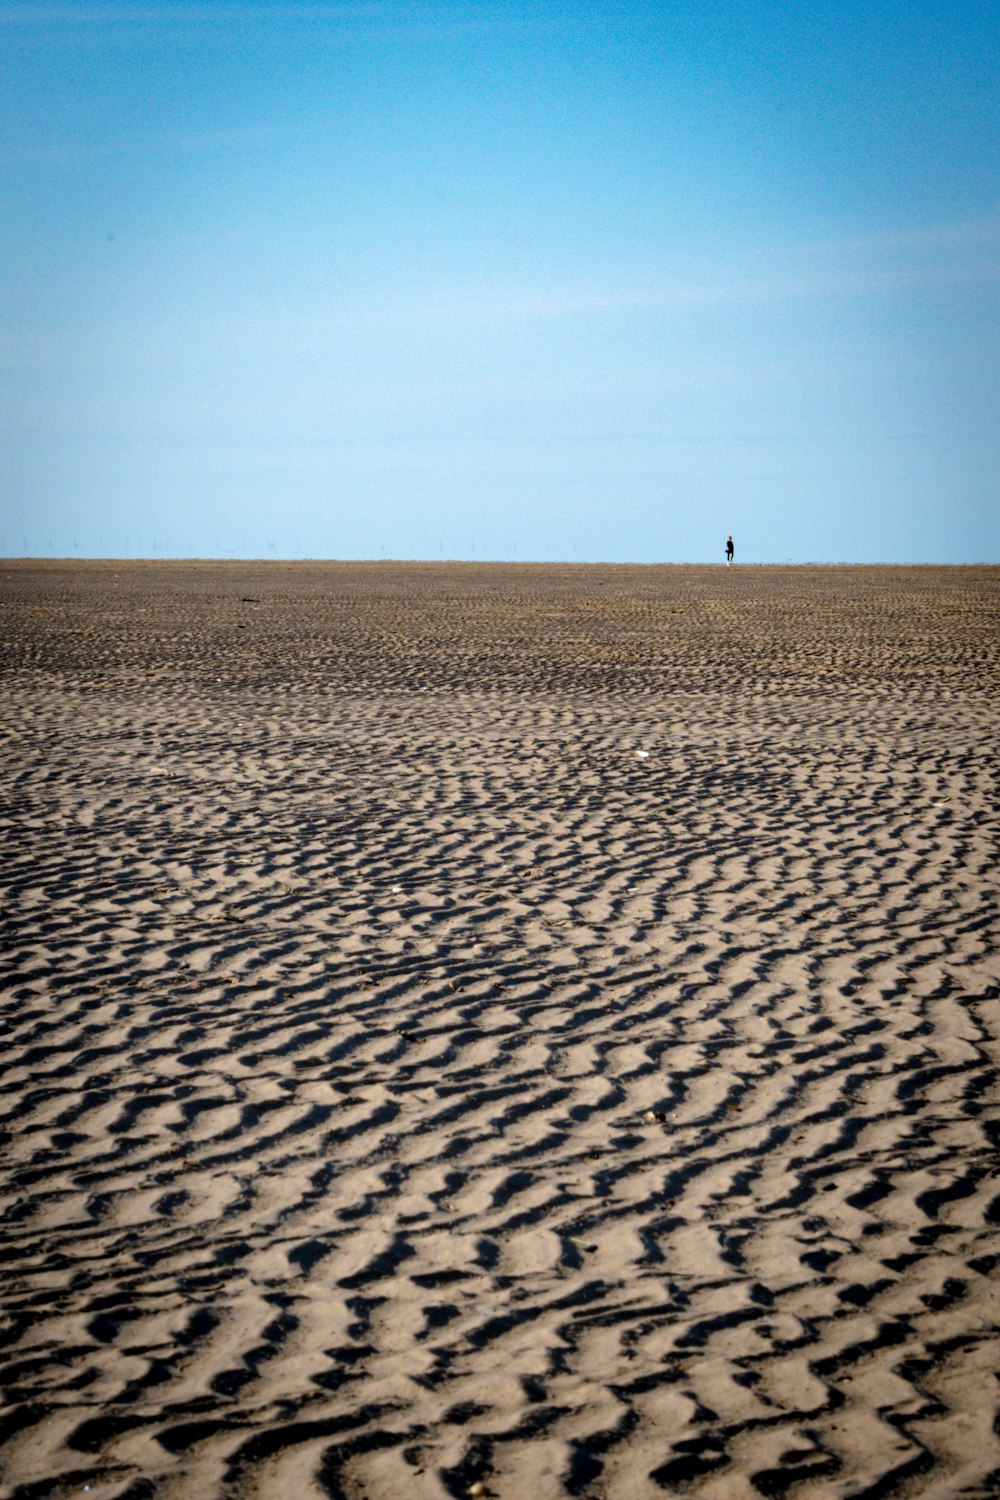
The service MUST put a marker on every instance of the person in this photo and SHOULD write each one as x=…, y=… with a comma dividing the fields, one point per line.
x=729, y=550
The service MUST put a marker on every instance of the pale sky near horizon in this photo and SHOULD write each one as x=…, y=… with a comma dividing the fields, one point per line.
x=594, y=282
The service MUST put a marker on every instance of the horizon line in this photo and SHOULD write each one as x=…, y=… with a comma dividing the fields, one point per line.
x=473, y=562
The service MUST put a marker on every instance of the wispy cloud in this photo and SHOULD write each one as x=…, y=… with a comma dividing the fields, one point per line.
x=70, y=151
x=885, y=263
x=922, y=237
x=394, y=12
x=183, y=15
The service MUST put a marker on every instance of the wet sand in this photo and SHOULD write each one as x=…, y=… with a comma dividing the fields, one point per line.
x=526, y=1031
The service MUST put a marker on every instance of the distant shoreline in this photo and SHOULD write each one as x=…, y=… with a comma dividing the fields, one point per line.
x=475, y=563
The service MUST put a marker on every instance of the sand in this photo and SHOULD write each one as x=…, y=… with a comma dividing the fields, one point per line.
x=525, y=1031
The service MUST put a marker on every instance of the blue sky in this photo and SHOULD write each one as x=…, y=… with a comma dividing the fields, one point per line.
x=515, y=281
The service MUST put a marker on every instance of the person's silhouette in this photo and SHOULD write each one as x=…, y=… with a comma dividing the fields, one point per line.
x=729, y=550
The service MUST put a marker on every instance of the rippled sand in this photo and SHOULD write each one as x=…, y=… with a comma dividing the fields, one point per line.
x=527, y=1031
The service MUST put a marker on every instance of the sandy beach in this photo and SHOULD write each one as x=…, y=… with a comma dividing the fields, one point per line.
x=524, y=1031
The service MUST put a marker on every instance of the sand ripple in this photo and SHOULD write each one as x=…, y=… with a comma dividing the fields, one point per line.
x=532, y=1028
